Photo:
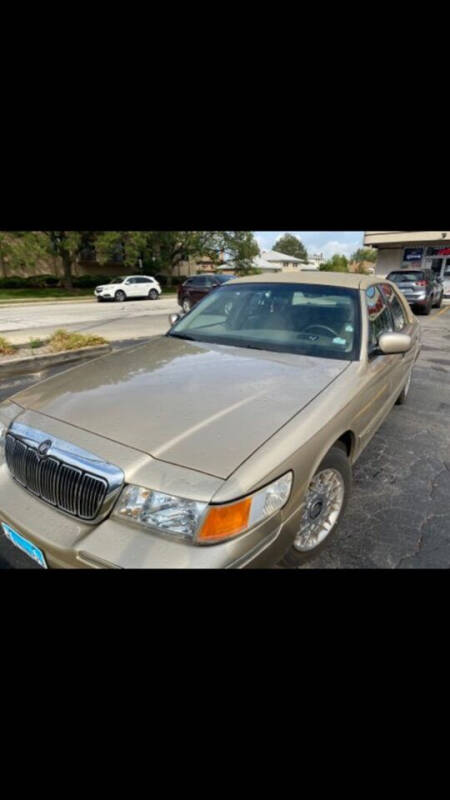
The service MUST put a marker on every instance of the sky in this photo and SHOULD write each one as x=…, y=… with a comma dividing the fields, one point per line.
x=326, y=242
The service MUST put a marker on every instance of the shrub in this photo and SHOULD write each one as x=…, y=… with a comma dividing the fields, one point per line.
x=14, y=282
x=30, y=282
x=42, y=281
x=65, y=340
x=163, y=279
x=90, y=281
x=6, y=348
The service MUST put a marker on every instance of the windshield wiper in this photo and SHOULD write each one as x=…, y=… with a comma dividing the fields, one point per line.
x=251, y=346
x=184, y=336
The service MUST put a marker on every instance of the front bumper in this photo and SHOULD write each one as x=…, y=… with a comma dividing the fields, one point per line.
x=71, y=543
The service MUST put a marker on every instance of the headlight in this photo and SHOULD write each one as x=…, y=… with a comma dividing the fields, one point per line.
x=162, y=511
x=200, y=522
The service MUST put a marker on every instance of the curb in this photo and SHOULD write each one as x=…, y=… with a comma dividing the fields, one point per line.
x=29, y=301
x=20, y=366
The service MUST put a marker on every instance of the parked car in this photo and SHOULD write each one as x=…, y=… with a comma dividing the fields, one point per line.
x=197, y=287
x=446, y=281
x=228, y=442
x=421, y=288
x=130, y=287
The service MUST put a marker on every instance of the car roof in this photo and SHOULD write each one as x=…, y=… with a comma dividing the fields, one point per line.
x=350, y=280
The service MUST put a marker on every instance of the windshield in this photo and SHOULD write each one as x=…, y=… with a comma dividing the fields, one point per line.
x=118, y=280
x=224, y=278
x=400, y=277
x=287, y=318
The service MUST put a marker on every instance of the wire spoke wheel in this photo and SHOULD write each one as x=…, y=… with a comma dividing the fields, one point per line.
x=323, y=505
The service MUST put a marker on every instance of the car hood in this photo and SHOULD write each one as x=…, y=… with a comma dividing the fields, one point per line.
x=202, y=406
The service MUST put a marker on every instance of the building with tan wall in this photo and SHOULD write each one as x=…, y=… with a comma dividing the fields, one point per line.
x=402, y=249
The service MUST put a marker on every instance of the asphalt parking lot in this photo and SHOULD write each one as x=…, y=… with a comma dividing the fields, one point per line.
x=399, y=512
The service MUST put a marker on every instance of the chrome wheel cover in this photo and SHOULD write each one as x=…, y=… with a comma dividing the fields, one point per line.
x=186, y=306
x=323, y=504
x=408, y=384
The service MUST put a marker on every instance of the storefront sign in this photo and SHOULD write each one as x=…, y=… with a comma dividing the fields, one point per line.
x=413, y=254
x=438, y=251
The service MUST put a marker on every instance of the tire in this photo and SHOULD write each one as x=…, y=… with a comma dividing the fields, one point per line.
x=401, y=399
x=336, y=461
x=120, y=296
x=153, y=294
x=186, y=305
x=426, y=309
x=439, y=302
x=99, y=299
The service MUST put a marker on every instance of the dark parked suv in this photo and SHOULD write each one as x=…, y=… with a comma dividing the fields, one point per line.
x=197, y=287
x=421, y=288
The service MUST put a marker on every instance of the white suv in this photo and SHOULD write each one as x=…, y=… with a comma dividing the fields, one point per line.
x=129, y=287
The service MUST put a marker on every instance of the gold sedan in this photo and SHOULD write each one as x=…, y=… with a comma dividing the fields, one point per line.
x=228, y=442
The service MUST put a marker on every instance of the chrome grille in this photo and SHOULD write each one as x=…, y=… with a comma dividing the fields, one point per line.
x=71, y=487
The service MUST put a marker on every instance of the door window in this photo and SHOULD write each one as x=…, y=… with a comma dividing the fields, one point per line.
x=398, y=314
x=380, y=320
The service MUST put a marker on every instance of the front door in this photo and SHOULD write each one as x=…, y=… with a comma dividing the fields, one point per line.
x=383, y=373
x=131, y=287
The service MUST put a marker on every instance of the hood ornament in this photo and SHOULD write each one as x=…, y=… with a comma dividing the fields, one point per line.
x=44, y=447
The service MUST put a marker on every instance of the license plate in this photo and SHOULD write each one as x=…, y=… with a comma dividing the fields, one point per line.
x=23, y=544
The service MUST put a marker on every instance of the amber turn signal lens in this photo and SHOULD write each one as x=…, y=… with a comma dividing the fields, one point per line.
x=225, y=521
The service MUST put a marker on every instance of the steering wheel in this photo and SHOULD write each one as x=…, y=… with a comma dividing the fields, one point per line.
x=319, y=327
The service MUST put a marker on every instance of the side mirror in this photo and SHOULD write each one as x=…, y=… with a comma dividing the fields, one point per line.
x=173, y=318
x=390, y=343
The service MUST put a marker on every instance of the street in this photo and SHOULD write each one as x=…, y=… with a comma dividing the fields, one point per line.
x=113, y=321
x=398, y=513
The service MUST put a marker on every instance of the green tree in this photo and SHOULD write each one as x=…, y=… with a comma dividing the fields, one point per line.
x=163, y=251
x=291, y=245
x=66, y=245
x=21, y=250
x=128, y=247
x=364, y=254
x=336, y=263
x=241, y=249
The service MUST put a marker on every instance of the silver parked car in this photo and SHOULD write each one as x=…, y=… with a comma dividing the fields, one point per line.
x=228, y=442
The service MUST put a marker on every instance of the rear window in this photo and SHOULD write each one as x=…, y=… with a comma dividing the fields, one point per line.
x=401, y=277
